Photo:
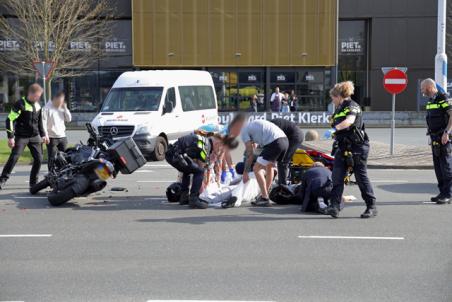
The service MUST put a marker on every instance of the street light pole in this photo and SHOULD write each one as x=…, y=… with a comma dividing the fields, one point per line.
x=44, y=82
x=441, y=57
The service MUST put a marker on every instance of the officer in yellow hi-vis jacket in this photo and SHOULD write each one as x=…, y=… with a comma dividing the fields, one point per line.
x=190, y=155
x=439, y=123
x=24, y=128
x=352, y=150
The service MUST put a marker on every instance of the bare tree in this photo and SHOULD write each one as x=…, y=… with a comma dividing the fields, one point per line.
x=70, y=33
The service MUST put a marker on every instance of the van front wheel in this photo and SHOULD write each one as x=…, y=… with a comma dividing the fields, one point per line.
x=160, y=148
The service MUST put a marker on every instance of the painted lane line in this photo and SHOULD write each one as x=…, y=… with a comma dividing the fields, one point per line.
x=29, y=197
x=351, y=237
x=25, y=235
x=391, y=181
x=156, y=181
x=154, y=198
x=204, y=301
x=157, y=165
x=145, y=171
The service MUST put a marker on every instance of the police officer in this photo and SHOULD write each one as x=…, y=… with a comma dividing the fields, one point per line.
x=190, y=155
x=352, y=149
x=295, y=137
x=439, y=123
x=24, y=128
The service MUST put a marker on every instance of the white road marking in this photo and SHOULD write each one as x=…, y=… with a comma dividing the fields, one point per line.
x=389, y=181
x=11, y=301
x=429, y=202
x=25, y=235
x=154, y=198
x=29, y=197
x=204, y=301
x=351, y=237
x=156, y=165
x=156, y=181
x=144, y=171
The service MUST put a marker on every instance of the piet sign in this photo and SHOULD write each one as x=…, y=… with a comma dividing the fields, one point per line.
x=307, y=118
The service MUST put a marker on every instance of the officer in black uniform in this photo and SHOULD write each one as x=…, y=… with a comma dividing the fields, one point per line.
x=190, y=155
x=24, y=128
x=439, y=123
x=295, y=137
x=352, y=149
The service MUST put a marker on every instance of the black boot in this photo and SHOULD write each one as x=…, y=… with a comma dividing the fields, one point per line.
x=435, y=198
x=443, y=200
x=2, y=182
x=333, y=211
x=230, y=203
x=183, y=199
x=197, y=203
x=371, y=211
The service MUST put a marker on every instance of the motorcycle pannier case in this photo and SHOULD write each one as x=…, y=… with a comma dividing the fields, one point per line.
x=128, y=155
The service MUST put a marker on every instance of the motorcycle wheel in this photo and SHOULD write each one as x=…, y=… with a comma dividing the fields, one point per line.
x=39, y=186
x=61, y=197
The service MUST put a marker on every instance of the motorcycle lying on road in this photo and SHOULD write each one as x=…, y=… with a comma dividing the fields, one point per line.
x=85, y=169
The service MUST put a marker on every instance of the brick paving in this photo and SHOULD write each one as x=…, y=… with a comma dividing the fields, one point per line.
x=405, y=157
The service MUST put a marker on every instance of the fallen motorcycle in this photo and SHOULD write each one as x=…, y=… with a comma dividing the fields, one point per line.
x=85, y=169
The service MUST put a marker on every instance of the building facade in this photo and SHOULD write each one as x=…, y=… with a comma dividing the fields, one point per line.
x=252, y=46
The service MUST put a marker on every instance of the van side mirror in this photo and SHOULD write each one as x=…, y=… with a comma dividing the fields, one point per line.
x=168, y=107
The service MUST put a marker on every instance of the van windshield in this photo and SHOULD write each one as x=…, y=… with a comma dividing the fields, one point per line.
x=133, y=99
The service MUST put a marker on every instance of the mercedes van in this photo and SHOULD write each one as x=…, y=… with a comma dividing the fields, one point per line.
x=156, y=107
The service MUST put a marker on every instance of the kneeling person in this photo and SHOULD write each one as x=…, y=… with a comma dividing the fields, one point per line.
x=189, y=155
x=315, y=183
x=274, y=143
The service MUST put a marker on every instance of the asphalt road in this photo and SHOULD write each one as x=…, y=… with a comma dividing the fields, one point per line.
x=406, y=136
x=132, y=246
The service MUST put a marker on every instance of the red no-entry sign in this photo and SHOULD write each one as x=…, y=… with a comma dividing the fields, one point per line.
x=395, y=81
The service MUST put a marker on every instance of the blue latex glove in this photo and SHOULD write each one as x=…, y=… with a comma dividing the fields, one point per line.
x=329, y=133
x=223, y=176
x=232, y=171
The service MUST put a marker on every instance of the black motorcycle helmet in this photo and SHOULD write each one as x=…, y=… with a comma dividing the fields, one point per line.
x=174, y=191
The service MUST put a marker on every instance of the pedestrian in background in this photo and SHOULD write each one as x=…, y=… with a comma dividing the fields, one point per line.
x=285, y=103
x=55, y=115
x=275, y=100
x=439, y=123
x=293, y=101
x=24, y=128
x=253, y=103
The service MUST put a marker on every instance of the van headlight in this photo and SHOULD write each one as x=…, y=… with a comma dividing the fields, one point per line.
x=142, y=130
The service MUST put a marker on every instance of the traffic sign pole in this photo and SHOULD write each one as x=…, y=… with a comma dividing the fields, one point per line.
x=394, y=81
x=393, y=125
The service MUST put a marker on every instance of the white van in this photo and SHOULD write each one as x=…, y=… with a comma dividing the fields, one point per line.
x=156, y=107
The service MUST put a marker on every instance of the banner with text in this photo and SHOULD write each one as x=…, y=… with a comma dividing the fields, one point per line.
x=303, y=118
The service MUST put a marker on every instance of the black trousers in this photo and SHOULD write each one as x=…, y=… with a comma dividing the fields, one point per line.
x=360, y=154
x=55, y=145
x=188, y=168
x=35, y=146
x=442, y=162
x=283, y=166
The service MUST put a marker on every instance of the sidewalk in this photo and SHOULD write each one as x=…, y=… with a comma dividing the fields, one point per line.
x=405, y=157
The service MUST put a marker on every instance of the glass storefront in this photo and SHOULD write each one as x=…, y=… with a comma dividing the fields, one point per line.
x=353, y=57
x=236, y=88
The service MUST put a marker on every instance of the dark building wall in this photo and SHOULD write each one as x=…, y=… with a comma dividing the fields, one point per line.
x=402, y=33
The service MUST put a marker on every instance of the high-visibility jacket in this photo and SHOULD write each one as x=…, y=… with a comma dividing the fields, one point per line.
x=437, y=114
x=24, y=119
x=348, y=107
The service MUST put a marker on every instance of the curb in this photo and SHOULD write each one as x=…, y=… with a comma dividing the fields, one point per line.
x=398, y=167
